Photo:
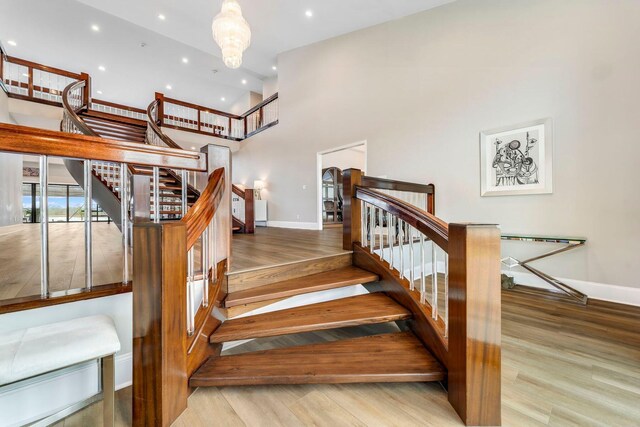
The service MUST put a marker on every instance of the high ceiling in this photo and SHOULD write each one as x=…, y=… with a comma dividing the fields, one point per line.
x=59, y=33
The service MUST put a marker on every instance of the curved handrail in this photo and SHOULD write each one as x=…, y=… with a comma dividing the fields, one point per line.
x=201, y=213
x=72, y=112
x=153, y=125
x=430, y=225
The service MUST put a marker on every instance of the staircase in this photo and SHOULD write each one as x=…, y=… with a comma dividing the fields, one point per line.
x=390, y=357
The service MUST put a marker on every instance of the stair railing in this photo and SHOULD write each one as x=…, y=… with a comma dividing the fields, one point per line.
x=243, y=209
x=448, y=274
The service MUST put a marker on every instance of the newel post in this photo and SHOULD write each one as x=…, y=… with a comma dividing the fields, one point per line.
x=160, y=111
x=249, y=215
x=87, y=88
x=160, y=387
x=351, y=209
x=474, y=323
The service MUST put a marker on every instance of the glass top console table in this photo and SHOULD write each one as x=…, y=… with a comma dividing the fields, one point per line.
x=568, y=244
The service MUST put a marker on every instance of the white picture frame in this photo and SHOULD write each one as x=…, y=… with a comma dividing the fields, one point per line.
x=517, y=160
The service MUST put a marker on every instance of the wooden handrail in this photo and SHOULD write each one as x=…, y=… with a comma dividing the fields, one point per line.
x=72, y=112
x=201, y=213
x=28, y=140
x=391, y=184
x=429, y=225
x=237, y=191
x=201, y=108
x=37, y=66
x=260, y=105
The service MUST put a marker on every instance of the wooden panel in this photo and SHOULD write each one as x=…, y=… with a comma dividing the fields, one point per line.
x=331, y=279
x=397, y=357
x=390, y=282
x=351, y=209
x=159, y=323
x=267, y=275
x=27, y=140
x=63, y=297
x=359, y=310
x=391, y=184
x=249, y=215
x=474, y=323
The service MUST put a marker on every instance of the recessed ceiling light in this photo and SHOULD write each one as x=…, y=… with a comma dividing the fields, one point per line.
x=185, y=60
x=12, y=43
x=99, y=92
x=168, y=87
x=309, y=13
x=95, y=28
x=244, y=81
x=274, y=68
x=101, y=68
x=193, y=148
x=161, y=17
x=223, y=99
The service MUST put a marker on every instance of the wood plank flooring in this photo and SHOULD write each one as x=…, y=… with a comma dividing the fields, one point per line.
x=20, y=258
x=562, y=365
x=272, y=246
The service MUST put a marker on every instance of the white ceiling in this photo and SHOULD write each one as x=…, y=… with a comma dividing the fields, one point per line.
x=58, y=33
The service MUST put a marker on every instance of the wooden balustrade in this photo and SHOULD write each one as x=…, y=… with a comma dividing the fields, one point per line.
x=245, y=218
x=447, y=274
x=181, y=115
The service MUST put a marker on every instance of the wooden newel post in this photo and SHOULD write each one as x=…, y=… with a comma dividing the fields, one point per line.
x=160, y=387
x=351, y=209
x=87, y=89
x=249, y=215
x=474, y=323
x=160, y=111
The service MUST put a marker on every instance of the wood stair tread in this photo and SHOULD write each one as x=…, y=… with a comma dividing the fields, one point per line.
x=345, y=276
x=359, y=310
x=395, y=357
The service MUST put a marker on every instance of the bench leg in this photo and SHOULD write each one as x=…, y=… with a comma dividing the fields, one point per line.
x=108, y=390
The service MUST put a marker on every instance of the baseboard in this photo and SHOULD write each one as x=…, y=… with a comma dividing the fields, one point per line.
x=30, y=400
x=600, y=291
x=294, y=224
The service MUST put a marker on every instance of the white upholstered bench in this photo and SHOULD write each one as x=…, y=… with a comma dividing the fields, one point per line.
x=41, y=349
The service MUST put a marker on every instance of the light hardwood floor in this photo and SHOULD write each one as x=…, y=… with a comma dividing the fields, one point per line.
x=562, y=365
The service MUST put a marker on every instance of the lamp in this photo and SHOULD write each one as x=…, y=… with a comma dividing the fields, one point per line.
x=232, y=33
x=257, y=187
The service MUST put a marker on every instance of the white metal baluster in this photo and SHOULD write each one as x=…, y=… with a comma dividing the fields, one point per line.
x=423, y=273
x=44, y=226
x=88, y=247
x=156, y=194
x=389, y=239
x=401, y=245
x=185, y=178
x=215, y=249
x=411, y=260
x=124, y=220
x=190, y=297
x=363, y=224
x=446, y=294
x=372, y=228
x=381, y=234
x=434, y=280
x=205, y=267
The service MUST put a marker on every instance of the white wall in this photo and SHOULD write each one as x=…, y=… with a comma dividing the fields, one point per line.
x=345, y=159
x=420, y=89
x=269, y=86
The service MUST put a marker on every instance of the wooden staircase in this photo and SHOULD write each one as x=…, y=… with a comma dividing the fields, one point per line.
x=390, y=357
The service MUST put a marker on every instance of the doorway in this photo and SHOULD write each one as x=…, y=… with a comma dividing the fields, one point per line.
x=331, y=164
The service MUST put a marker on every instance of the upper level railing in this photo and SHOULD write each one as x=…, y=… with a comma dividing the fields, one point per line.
x=449, y=274
x=176, y=114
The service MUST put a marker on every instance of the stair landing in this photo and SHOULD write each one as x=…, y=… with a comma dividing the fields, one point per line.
x=396, y=357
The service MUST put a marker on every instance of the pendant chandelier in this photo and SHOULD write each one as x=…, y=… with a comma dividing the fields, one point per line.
x=232, y=33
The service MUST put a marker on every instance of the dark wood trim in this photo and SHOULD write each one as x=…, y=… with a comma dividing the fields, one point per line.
x=39, y=101
x=37, y=66
x=260, y=129
x=351, y=209
x=28, y=140
x=114, y=118
x=390, y=184
x=120, y=106
x=429, y=225
x=200, y=108
x=160, y=387
x=62, y=297
x=474, y=323
x=431, y=201
x=249, y=215
x=157, y=103
x=201, y=132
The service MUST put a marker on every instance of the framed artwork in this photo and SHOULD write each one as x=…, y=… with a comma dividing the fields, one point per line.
x=517, y=160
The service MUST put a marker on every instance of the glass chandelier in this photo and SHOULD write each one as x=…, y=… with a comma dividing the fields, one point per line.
x=232, y=33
